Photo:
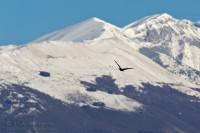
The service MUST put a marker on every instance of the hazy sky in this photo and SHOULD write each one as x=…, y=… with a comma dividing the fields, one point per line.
x=24, y=20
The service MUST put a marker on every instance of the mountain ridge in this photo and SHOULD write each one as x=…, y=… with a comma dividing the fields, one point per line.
x=172, y=43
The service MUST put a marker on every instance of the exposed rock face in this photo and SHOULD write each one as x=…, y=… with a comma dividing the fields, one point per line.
x=172, y=43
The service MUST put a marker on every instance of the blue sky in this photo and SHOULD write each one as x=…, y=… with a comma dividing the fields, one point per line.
x=24, y=20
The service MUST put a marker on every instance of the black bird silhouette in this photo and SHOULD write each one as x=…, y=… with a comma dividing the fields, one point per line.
x=122, y=69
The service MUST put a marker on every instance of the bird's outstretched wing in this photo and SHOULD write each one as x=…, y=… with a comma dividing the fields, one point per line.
x=117, y=64
x=127, y=68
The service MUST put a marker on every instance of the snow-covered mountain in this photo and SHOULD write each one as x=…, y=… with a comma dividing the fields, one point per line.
x=172, y=43
x=84, y=85
x=76, y=62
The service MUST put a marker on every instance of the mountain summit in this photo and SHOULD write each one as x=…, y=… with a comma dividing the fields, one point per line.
x=158, y=18
x=90, y=29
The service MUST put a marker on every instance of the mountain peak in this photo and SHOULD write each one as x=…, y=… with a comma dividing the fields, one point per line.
x=158, y=18
x=90, y=29
x=165, y=15
x=94, y=20
x=97, y=20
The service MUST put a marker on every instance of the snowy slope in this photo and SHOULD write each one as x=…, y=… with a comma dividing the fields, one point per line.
x=172, y=43
x=76, y=62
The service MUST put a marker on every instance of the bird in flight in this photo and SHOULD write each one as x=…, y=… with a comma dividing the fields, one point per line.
x=122, y=69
